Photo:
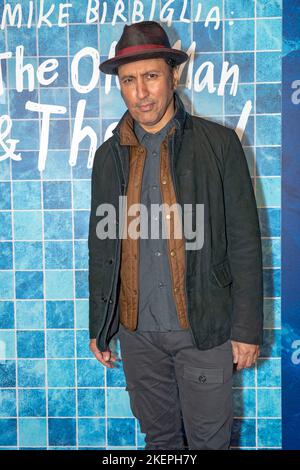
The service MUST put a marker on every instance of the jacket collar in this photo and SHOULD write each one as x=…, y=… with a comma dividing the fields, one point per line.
x=125, y=128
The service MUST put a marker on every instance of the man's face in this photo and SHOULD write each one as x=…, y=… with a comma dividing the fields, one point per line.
x=147, y=87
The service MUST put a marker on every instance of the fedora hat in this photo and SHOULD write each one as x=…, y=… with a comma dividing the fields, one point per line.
x=143, y=40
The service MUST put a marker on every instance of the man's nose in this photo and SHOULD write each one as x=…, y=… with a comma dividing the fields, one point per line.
x=141, y=89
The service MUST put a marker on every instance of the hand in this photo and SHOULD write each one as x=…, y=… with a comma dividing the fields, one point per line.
x=244, y=354
x=107, y=358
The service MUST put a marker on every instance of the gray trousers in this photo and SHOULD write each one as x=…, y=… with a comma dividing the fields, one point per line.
x=178, y=392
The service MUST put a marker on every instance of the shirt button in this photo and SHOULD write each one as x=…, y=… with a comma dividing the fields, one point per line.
x=176, y=289
x=173, y=253
x=164, y=181
x=161, y=284
x=154, y=154
x=155, y=217
x=157, y=253
x=168, y=216
x=154, y=186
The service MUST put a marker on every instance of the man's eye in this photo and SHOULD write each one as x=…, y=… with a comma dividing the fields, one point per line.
x=152, y=75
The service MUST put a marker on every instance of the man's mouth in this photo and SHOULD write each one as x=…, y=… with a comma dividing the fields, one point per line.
x=146, y=107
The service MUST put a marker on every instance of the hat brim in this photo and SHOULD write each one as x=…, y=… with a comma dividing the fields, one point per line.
x=110, y=66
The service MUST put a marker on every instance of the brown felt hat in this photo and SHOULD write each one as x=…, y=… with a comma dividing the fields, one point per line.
x=143, y=40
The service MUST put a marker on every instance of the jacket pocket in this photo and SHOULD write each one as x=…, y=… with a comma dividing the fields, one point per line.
x=221, y=274
x=203, y=375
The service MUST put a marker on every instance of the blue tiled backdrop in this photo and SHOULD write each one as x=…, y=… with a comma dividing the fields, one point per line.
x=53, y=393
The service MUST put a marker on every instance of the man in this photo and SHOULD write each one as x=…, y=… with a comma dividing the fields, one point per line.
x=183, y=315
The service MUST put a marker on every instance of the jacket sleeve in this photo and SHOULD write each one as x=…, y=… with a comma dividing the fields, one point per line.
x=244, y=246
x=95, y=250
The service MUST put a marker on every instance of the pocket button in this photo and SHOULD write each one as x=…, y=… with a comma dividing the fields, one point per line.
x=202, y=378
